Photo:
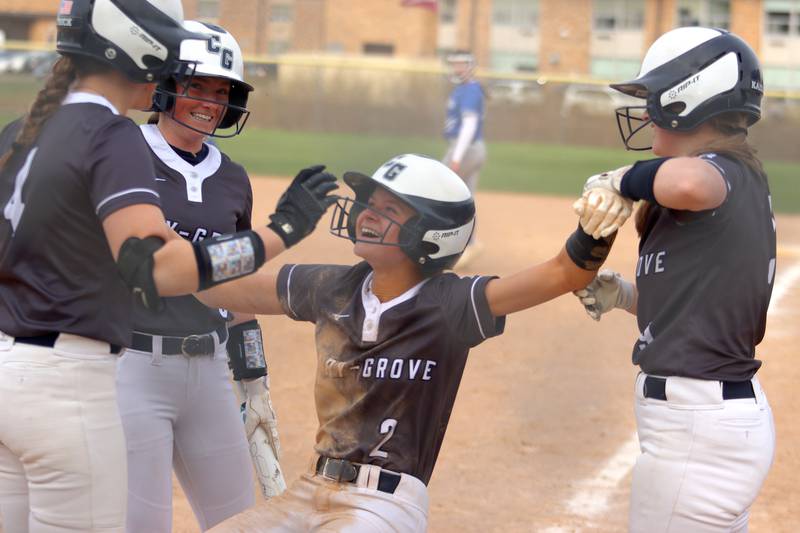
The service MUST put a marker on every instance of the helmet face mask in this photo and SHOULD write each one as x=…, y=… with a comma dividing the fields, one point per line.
x=218, y=57
x=631, y=120
x=436, y=235
x=690, y=75
x=346, y=213
x=139, y=38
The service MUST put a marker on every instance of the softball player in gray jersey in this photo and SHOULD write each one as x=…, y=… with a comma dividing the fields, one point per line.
x=175, y=398
x=393, y=333
x=705, y=426
x=81, y=236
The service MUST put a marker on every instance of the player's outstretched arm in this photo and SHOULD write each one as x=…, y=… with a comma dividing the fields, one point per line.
x=572, y=269
x=154, y=265
x=256, y=294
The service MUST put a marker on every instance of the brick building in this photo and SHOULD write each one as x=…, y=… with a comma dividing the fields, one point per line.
x=599, y=38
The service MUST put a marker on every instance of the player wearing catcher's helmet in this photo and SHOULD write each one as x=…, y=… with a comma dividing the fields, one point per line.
x=703, y=281
x=393, y=333
x=176, y=404
x=81, y=237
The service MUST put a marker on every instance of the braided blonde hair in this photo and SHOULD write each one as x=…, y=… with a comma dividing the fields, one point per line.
x=47, y=102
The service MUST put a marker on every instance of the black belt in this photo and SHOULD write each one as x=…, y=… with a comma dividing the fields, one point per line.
x=656, y=388
x=191, y=345
x=48, y=340
x=345, y=471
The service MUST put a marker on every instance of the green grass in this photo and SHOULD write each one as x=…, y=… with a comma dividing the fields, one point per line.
x=516, y=167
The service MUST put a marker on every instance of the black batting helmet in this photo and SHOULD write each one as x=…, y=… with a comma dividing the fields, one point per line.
x=688, y=76
x=140, y=38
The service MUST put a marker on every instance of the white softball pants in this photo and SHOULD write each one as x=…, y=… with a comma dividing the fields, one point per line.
x=180, y=412
x=315, y=504
x=703, y=459
x=62, y=449
x=471, y=164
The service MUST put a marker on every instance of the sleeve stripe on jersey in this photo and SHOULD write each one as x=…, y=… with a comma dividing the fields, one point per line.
x=123, y=193
x=289, y=292
x=475, y=307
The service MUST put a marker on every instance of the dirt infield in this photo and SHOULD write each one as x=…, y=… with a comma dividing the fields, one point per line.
x=541, y=437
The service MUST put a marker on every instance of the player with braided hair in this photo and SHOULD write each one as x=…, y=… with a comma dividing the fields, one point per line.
x=82, y=237
x=393, y=333
x=705, y=426
x=176, y=403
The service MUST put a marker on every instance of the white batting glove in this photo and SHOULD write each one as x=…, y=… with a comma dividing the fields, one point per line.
x=606, y=292
x=261, y=427
x=602, y=209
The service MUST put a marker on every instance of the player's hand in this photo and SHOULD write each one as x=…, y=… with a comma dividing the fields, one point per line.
x=607, y=291
x=455, y=166
x=303, y=204
x=602, y=209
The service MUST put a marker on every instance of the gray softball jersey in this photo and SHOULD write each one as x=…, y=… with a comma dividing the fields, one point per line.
x=387, y=373
x=211, y=198
x=57, y=273
x=705, y=281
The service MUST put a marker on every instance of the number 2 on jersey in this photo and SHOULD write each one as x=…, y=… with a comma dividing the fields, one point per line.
x=387, y=428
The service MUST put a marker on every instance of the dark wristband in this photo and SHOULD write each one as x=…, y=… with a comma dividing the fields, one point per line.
x=245, y=346
x=587, y=252
x=228, y=257
x=637, y=183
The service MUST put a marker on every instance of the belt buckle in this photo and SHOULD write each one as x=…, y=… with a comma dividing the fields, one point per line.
x=192, y=345
x=339, y=470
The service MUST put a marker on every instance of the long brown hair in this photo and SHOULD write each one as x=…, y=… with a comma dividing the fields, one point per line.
x=732, y=143
x=64, y=73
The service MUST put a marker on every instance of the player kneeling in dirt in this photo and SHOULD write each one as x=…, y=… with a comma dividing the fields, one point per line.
x=392, y=333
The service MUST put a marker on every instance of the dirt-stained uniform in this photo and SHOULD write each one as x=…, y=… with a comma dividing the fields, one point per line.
x=387, y=377
x=387, y=372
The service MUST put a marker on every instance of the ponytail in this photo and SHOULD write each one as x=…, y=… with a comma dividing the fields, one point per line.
x=46, y=104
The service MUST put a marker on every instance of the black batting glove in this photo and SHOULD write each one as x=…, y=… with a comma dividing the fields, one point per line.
x=303, y=204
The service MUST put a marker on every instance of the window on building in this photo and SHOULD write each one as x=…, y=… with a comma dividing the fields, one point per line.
x=278, y=47
x=782, y=17
x=378, y=49
x=519, y=13
x=778, y=22
x=447, y=11
x=280, y=13
x=618, y=15
x=713, y=13
x=208, y=9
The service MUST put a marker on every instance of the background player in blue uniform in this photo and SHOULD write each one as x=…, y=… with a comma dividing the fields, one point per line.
x=81, y=236
x=175, y=398
x=463, y=129
x=703, y=282
x=392, y=333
